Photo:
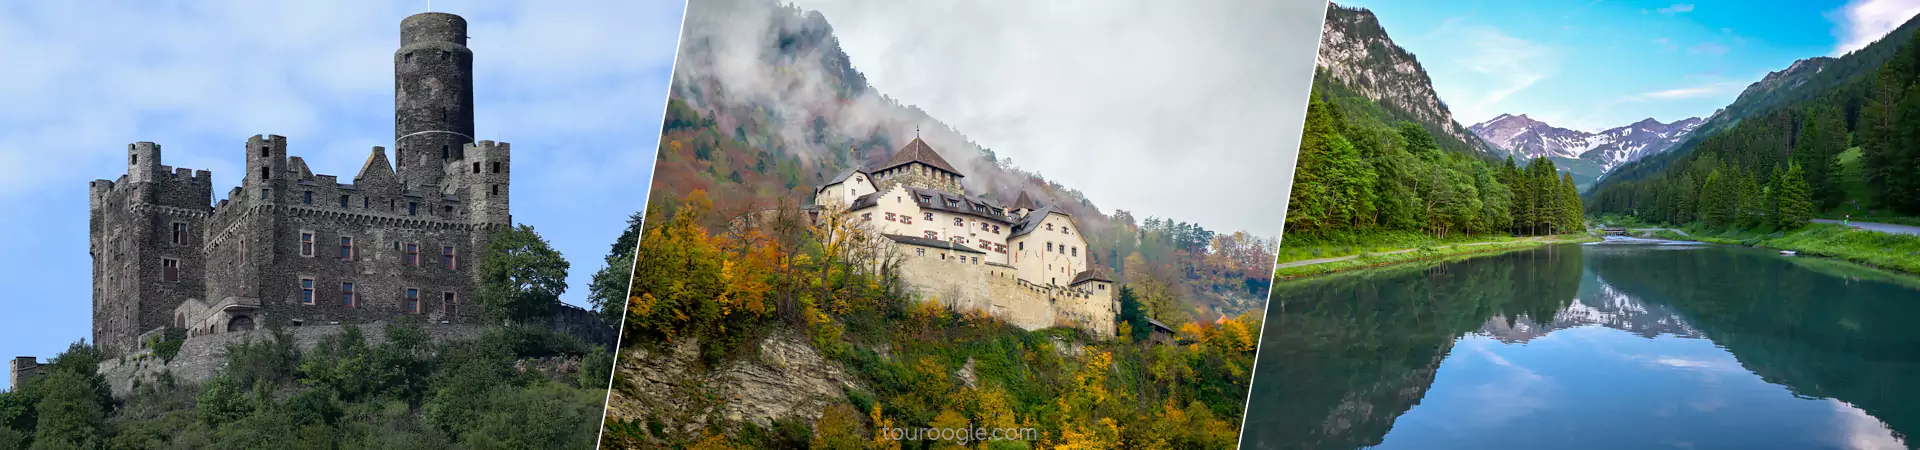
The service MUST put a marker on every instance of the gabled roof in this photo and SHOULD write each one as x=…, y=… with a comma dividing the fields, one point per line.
x=1159, y=326
x=918, y=151
x=1025, y=202
x=1091, y=274
x=935, y=243
x=843, y=176
x=1033, y=220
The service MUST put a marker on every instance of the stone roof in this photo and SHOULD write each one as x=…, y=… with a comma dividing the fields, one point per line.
x=1032, y=221
x=1091, y=274
x=1025, y=202
x=935, y=243
x=918, y=151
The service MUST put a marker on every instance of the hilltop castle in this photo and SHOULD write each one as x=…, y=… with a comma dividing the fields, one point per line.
x=1025, y=264
x=292, y=247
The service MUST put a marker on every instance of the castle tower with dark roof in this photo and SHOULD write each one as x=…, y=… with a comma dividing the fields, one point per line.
x=918, y=166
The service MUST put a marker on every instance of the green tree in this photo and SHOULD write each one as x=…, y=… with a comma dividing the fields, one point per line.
x=608, y=290
x=1795, y=201
x=70, y=412
x=521, y=276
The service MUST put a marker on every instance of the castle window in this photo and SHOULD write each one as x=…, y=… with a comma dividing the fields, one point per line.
x=444, y=151
x=343, y=201
x=447, y=303
x=929, y=217
x=264, y=193
x=265, y=173
x=956, y=222
x=412, y=303
x=496, y=190
x=1049, y=246
x=306, y=197
x=1023, y=246
x=890, y=218
x=179, y=233
x=170, y=269
x=933, y=234
x=996, y=229
x=495, y=166
x=413, y=208
x=241, y=255
x=448, y=210
x=133, y=159
x=1049, y=227
x=346, y=248
x=976, y=260
x=443, y=55
x=390, y=203
x=866, y=216
x=306, y=291
x=476, y=167
x=920, y=252
x=306, y=243
x=266, y=152
x=413, y=255
x=446, y=254
x=1076, y=251
x=366, y=203
x=348, y=297
x=408, y=57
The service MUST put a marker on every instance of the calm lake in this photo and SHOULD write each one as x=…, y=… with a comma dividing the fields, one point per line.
x=1623, y=344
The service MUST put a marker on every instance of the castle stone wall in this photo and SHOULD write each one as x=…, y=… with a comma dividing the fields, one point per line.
x=940, y=275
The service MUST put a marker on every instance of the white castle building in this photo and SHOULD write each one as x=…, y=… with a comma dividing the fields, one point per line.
x=1025, y=264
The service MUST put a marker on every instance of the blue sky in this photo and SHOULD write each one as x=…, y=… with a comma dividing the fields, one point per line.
x=1595, y=64
x=577, y=87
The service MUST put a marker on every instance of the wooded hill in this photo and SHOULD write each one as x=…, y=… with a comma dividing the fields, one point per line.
x=1848, y=142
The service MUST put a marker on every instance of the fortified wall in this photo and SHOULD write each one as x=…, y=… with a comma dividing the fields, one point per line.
x=997, y=290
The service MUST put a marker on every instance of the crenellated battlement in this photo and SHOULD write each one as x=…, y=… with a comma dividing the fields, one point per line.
x=400, y=237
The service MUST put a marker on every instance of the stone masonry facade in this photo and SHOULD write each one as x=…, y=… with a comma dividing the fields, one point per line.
x=292, y=247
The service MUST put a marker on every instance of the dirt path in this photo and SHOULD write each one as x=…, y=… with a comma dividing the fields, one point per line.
x=1309, y=262
x=1880, y=227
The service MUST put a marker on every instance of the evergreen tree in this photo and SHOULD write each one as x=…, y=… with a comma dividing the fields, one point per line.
x=1796, y=199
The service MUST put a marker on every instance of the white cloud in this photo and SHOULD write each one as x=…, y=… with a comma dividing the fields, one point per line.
x=1695, y=91
x=1861, y=22
x=1677, y=8
x=1496, y=66
x=1099, y=96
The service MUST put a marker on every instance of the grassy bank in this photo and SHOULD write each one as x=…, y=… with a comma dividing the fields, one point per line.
x=1397, y=256
x=1338, y=244
x=1884, y=250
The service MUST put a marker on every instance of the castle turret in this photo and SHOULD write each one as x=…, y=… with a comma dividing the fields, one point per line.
x=266, y=168
x=432, y=96
x=143, y=160
x=490, y=166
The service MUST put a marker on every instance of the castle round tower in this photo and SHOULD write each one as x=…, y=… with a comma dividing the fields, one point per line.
x=432, y=96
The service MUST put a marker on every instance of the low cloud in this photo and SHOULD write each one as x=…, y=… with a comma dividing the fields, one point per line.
x=1862, y=22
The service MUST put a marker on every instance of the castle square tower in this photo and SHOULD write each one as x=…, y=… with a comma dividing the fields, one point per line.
x=918, y=166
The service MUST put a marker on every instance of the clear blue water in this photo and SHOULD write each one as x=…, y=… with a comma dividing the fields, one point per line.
x=1617, y=345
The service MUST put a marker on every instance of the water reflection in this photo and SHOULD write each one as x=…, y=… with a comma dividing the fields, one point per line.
x=1627, y=344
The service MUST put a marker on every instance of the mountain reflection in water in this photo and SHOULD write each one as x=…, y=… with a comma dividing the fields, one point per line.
x=1623, y=344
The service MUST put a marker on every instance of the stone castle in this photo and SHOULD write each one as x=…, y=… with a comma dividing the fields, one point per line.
x=1025, y=263
x=295, y=248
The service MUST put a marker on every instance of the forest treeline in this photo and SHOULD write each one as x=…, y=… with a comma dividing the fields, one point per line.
x=727, y=287
x=1361, y=170
x=1853, y=149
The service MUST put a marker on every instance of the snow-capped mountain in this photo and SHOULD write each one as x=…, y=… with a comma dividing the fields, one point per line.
x=1527, y=138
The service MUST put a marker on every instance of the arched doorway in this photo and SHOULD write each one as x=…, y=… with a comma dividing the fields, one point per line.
x=240, y=323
